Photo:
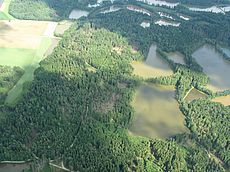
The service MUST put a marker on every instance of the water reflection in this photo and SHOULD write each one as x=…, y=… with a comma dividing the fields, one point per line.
x=162, y=22
x=14, y=167
x=145, y=24
x=157, y=113
x=214, y=66
x=153, y=66
x=226, y=51
x=76, y=14
x=138, y=9
x=176, y=57
x=213, y=9
x=160, y=3
x=111, y=9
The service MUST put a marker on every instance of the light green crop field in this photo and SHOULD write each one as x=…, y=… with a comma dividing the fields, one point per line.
x=16, y=56
x=28, y=59
x=4, y=12
x=3, y=16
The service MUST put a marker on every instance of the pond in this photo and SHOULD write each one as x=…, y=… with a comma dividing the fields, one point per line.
x=194, y=94
x=213, y=9
x=184, y=17
x=225, y=100
x=157, y=113
x=177, y=57
x=111, y=9
x=165, y=15
x=214, y=66
x=138, y=9
x=145, y=24
x=153, y=66
x=226, y=51
x=163, y=22
x=160, y=3
x=14, y=167
x=76, y=14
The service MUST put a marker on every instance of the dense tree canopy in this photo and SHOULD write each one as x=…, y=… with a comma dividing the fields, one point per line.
x=78, y=108
x=8, y=78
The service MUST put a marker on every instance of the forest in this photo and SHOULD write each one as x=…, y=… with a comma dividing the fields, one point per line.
x=77, y=91
x=8, y=78
x=77, y=110
x=45, y=9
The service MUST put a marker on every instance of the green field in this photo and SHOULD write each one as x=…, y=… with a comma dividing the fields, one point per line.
x=4, y=14
x=16, y=56
x=28, y=59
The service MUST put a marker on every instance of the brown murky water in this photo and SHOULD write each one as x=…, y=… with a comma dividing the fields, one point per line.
x=177, y=57
x=153, y=66
x=225, y=100
x=14, y=167
x=157, y=113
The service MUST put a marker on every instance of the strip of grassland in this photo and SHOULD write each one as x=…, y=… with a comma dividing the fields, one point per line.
x=14, y=94
x=4, y=11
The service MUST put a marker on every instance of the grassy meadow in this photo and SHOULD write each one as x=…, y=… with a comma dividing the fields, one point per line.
x=4, y=11
x=29, y=60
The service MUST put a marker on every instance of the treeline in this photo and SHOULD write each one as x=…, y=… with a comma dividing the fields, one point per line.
x=208, y=122
x=9, y=76
x=186, y=38
x=45, y=9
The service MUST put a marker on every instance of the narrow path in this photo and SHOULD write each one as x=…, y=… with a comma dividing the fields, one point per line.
x=187, y=93
x=59, y=167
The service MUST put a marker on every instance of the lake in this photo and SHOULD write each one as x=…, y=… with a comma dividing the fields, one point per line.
x=165, y=15
x=225, y=100
x=184, y=17
x=145, y=24
x=226, y=51
x=194, y=94
x=214, y=66
x=110, y=9
x=213, y=9
x=177, y=57
x=153, y=66
x=76, y=14
x=8, y=167
x=157, y=113
x=160, y=3
x=138, y=9
x=163, y=22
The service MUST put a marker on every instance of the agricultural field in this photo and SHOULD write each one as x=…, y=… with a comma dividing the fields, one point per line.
x=4, y=7
x=24, y=43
